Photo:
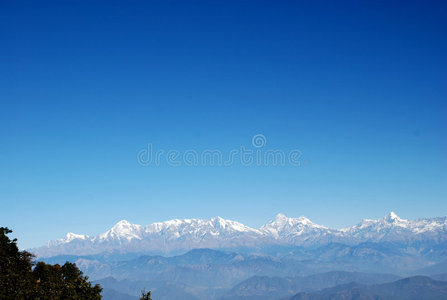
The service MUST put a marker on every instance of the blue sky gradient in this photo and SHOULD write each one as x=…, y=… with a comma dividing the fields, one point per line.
x=359, y=88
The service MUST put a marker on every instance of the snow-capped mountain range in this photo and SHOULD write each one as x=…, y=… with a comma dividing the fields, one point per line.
x=218, y=233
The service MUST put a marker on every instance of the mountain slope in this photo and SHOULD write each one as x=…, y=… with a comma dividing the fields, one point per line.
x=111, y=294
x=412, y=288
x=263, y=287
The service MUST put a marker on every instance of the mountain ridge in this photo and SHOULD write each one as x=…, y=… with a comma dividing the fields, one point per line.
x=410, y=288
x=219, y=233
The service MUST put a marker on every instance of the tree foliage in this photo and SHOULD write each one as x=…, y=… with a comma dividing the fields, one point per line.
x=145, y=295
x=21, y=278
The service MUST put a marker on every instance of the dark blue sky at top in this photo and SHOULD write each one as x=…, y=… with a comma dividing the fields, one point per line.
x=359, y=87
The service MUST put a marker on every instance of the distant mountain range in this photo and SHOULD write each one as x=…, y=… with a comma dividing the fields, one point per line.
x=265, y=287
x=254, y=288
x=194, y=259
x=207, y=274
x=412, y=288
x=176, y=236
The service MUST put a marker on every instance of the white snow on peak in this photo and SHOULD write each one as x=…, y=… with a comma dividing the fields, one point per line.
x=390, y=220
x=229, y=225
x=219, y=232
x=394, y=226
x=198, y=227
x=123, y=223
x=282, y=220
x=73, y=236
x=280, y=217
x=393, y=218
x=122, y=230
x=68, y=238
x=284, y=226
x=393, y=215
x=430, y=225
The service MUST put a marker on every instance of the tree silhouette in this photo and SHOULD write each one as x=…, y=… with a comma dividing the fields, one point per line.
x=19, y=280
x=145, y=295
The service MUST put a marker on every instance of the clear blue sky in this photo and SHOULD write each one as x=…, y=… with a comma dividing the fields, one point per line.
x=359, y=88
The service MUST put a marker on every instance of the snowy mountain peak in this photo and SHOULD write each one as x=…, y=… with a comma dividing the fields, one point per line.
x=124, y=226
x=67, y=239
x=280, y=217
x=229, y=225
x=392, y=216
x=220, y=222
x=282, y=220
x=122, y=230
x=73, y=236
x=292, y=228
x=123, y=223
x=394, y=219
x=306, y=221
x=217, y=232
